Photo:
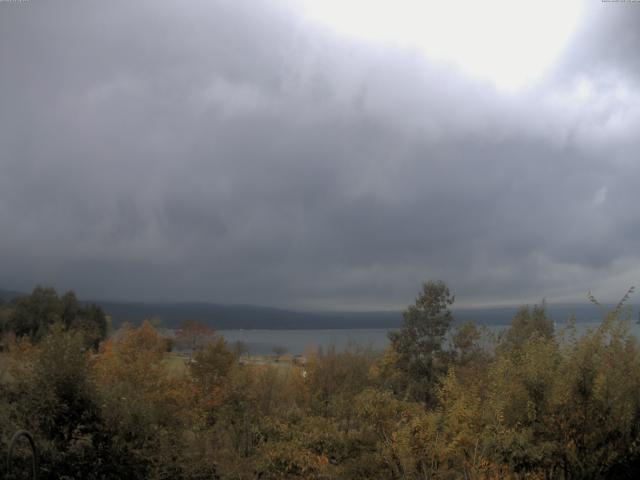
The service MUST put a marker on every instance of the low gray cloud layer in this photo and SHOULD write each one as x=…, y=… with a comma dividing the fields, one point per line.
x=232, y=151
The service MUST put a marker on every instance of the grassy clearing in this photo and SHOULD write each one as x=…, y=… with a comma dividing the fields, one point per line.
x=176, y=364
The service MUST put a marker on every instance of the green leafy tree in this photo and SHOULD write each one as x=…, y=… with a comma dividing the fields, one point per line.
x=240, y=348
x=528, y=322
x=52, y=394
x=35, y=313
x=419, y=342
x=92, y=322
x=69, y=308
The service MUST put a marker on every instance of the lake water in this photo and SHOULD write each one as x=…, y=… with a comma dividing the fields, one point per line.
x=299, y=342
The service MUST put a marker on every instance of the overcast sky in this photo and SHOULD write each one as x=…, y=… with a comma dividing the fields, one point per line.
x=248, y=151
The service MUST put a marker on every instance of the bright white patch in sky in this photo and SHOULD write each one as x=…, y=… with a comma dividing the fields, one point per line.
x=600, y=196
x=584, y=89
x=511, y=43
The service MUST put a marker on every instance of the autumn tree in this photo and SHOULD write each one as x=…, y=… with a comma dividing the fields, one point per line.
x=193, y=334
x=334, y=378
x=146, y=408
x=210, y=370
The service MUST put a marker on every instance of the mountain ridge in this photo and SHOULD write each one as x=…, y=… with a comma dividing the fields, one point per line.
x=243, y=316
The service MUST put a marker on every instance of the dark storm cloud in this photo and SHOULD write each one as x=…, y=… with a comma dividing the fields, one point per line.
x=232, y=151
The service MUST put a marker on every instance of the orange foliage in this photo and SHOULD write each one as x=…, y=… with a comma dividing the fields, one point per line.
x=133, y=366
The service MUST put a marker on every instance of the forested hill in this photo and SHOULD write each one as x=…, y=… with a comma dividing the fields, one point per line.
x=221, y=316
x=246, y=316
x=6, y=295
